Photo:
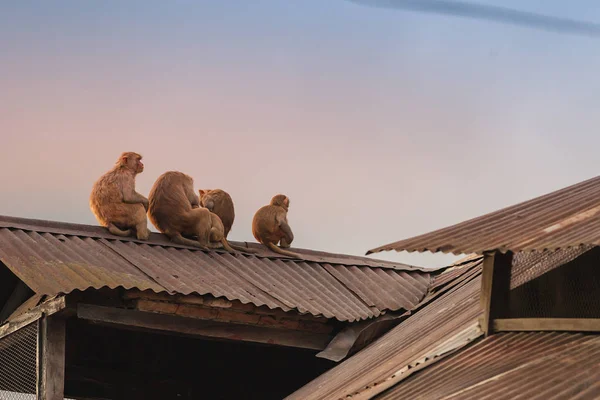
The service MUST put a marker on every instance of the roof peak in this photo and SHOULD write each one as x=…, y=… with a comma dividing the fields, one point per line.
x=565, y=218
x=158, y=239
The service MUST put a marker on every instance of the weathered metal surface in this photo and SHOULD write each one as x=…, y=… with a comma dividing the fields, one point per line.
x=457, y=270
x=566, y=218
x=441, y=326
x=532, y=365
x=51, y=258
x=97, y=232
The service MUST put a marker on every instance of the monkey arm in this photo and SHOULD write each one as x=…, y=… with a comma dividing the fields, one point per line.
x=192, y=197
x=130, y=196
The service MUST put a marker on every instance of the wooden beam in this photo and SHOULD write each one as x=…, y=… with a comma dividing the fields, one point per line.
x=47, y=308
x=205, y=328
x=231, y=315
x=51, y=358
x=547, y=324
x=495, y=287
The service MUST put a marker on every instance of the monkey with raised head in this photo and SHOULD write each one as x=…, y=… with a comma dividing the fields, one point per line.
x=174, y=211
x=220, y=203
x=270, y=226
x=116, y=204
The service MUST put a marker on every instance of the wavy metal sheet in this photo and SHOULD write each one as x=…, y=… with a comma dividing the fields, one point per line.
x=527, y=365
x=566, y=218
x=440, y=326
x=51, y=260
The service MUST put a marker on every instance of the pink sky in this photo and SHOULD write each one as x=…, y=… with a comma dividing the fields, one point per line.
x=413, y=124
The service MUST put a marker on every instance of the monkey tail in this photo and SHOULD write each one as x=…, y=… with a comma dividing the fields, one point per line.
x=283, y=252
x=112, y=228
x=227, y=246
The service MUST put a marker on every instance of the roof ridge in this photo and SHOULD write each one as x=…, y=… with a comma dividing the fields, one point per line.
x=158, y=239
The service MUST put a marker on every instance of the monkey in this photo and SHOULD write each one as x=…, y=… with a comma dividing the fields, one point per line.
x=115, y=203
x=220, y=203
x=270, y=226
x=174, y=210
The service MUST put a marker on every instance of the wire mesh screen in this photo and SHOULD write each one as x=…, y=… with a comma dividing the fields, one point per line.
x=527, y=266
x=18, y=364
x=570, y=290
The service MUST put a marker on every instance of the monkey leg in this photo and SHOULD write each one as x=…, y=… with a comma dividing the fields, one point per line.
x=177, y=238
x=142, y=231
x=283, y=252
x=216, y=236
x=118, y=232
x=288, y=236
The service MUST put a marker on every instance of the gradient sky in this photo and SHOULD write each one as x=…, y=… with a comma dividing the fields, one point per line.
x=378, y=124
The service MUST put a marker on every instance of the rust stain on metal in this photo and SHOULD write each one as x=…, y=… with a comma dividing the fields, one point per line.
x=527, y=365
x=438, y=351
x=566, y=218
x=436, y=328
x=54, y=258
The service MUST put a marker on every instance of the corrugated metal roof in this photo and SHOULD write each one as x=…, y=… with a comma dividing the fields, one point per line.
x=531, y=365
x=566, y=218
x=440, y=326
x=398, y=365
x=54, y=258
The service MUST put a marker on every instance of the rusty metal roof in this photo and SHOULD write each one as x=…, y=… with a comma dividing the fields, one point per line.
x=54, y=258
x=437, y=351
x=525, y=365
x=439, y=327
x=565, y=218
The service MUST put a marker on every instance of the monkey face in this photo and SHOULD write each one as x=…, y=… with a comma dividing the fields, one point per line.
x=139, y=166
x=281, y=200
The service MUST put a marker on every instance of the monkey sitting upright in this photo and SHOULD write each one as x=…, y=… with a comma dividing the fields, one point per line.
x=116, y=204
x=174, y=211
x=270, y=226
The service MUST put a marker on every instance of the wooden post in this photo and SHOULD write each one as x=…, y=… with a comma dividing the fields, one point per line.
x=495, y=287
x=51, y=358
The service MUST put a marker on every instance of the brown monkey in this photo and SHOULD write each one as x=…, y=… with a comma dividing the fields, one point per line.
x=174, y=211
x=116, y=204
x=270, y=226
x=219, y=202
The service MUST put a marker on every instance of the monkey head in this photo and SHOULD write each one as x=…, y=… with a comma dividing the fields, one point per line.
x=131, y=161
x=205, y=200
x=281, y=200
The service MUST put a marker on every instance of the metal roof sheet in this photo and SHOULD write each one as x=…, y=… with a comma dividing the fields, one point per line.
x=54, y=258
x=525, y=365
x=569, y=217
x=442, y=325
x=443, y=328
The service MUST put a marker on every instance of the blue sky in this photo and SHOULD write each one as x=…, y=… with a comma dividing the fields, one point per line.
x=379, y=124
